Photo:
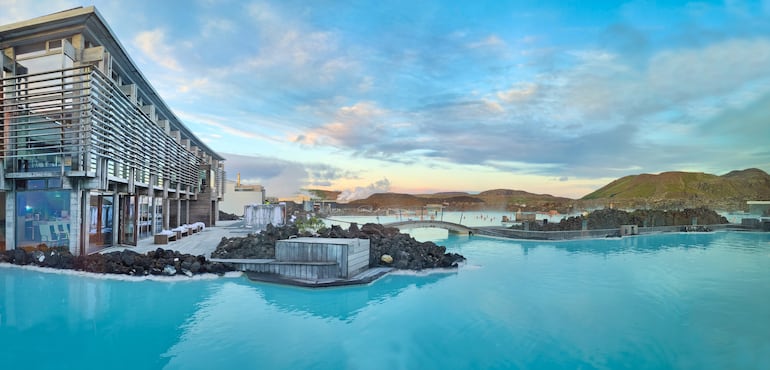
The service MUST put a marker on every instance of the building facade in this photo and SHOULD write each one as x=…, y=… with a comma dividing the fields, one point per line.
x=92, y=156
x=240, y=195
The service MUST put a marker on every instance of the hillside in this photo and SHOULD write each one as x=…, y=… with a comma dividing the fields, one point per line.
x=667, y=190
x=685, y=190
x=498, y=199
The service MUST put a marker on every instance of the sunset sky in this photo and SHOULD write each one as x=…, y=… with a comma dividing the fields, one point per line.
x=424, y=96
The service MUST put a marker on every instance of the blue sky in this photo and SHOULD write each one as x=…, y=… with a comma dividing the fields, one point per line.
x=424, y=96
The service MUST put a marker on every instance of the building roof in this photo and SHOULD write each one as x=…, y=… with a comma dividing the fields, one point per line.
x=89, y=21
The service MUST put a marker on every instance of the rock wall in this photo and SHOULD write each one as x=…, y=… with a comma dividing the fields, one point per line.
x=157, y=262
x=257, y=245
x=614, y=218
x=405, y=252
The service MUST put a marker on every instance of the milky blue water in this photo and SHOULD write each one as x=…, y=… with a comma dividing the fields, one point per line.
x=673, y=301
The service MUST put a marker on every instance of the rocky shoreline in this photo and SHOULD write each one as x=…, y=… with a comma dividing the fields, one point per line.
x=403, y=251
x=614, y=218
x=160, y=262
x=388, y=246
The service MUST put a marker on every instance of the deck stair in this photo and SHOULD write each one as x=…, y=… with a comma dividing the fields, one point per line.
x=311, y=259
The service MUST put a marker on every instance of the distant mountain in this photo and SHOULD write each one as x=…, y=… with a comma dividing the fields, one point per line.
x=498, y=199
x=390, y=200
x=667, y=190
x=686, y=190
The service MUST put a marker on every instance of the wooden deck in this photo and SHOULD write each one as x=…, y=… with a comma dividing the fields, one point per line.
x=364, y=277
x=313, y=262
x=305, y=274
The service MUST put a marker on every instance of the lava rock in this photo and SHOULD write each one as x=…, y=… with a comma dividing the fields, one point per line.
x=169, y=270
x=405, y=251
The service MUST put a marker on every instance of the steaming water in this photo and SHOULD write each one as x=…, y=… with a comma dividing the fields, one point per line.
x=669, y=301
x=475, y=218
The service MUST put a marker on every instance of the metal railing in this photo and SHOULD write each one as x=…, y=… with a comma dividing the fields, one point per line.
x=77, y=119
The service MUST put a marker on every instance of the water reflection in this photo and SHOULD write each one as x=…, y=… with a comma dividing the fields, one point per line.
x=631, y=244
x=90, y=321
x=656, y=301
x=269, y=324
x=345, y=302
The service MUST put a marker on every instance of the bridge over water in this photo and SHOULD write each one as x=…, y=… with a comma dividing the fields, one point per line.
x=415, y=224
x=452, y=227
x=504, y=232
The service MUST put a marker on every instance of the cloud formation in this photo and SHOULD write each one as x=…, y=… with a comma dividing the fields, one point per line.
x=362, y=192
x=156, y=47
x=280, y=177
x=331, y=93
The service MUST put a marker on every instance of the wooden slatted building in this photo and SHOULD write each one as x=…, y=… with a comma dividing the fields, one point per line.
x=92, y=156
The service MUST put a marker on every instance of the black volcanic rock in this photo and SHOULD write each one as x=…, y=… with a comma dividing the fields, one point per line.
x=224, y=216
x=126, y=262
x=407, y=252
x=614, y=218
x=260, y=245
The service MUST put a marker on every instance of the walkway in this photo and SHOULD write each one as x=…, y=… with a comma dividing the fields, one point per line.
x=202, y=243
x=413, y=224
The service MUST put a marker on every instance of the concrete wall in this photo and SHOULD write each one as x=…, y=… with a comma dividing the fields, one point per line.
x=178, y=212
x=201, y=209
x=234, y=201
x=759, y=208
x=351, y=255
x=299, y=270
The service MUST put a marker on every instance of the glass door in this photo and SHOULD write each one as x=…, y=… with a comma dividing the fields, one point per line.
x=128, y=212
x=100, y=222
x=145, y=221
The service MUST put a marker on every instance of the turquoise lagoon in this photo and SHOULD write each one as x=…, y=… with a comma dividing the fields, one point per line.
x=666, y=301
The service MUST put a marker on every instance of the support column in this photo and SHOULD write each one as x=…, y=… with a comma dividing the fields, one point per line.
x=153, y=202
x=178, y=205
x=10, y=220
x=153, y=205
x=78, y=219
x=166, y=206
x=117, y=217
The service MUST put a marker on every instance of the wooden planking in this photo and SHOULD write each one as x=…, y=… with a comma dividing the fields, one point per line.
x=321, y=260
x=289, y=250
x=358, y=260
x=294, y=270
x=352, y=255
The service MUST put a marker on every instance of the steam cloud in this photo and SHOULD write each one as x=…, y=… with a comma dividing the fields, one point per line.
x=361, y=192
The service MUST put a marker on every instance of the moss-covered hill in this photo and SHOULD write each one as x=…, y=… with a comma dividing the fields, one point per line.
x=686, y=189
x=668, y=190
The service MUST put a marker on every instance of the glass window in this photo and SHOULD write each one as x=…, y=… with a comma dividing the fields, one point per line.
x=54, y=183
x=42, y=218
x=54, y=44
x=145, y=222
x=35, y=184
x=158, y=224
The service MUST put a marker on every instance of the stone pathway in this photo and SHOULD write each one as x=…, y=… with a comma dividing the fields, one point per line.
x=202, y=243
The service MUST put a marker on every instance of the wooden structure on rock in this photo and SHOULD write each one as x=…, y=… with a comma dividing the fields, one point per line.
x=311, y=259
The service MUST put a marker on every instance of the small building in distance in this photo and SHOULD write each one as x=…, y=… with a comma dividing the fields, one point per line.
x=240, y=195
x=759, y=207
